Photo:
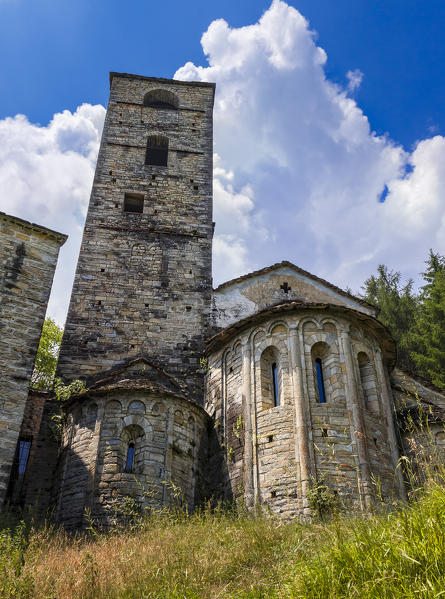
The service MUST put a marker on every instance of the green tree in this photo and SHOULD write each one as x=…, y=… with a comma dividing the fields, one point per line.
x=47, y=355
x=398, y=310
x=429, y=358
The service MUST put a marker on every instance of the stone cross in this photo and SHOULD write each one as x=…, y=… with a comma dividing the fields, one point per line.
x=285, y=287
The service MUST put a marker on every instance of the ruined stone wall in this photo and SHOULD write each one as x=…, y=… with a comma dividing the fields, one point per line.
x=169, y=436
x=143, y=280
x=28, y=257
x=273, y=451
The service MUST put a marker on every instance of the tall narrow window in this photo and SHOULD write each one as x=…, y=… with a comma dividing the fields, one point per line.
x=276, y=386
x=320, y=381
x=24, y=449
x=157, y=150
x=130, y=458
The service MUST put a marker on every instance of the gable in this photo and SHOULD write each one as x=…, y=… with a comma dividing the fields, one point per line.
x=137, y=370
x=284, y=282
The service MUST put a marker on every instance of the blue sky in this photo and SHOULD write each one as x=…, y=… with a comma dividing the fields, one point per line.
x=329, y=122
x=56, y=55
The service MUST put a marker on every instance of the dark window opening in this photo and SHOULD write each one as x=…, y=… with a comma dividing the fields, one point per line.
x=188, y=308
x=273, y=494
x=157, y=151
x=324, y=432
x=276, y=386
x=162, y=99
x=195, y=187
x=375, y=441
x=320, y=381
x=130, y=458
x=270, y=438
x=134, y=202
x=23, y=455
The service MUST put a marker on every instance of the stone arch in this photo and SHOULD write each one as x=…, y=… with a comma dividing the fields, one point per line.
x=132, y=443
x=136, y=407
x=274, y=326
x=113, y=407
x=161, y=99
x=271, y=378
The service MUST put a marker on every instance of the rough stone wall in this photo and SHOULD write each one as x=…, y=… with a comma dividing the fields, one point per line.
x=284, y=446
x=143, y=281
x=28, y=257
x=169, y=436
x=33, y=490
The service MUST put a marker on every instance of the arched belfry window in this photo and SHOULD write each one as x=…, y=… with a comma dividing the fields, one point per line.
x=161, y=99
x=129, y=463
x=320, y=380
x=157, y=150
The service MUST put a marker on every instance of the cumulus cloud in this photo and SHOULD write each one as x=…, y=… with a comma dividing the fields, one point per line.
x=307, y=173
x=45, y=177
x=299, y=174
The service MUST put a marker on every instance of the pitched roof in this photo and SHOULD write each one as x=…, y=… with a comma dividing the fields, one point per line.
x=300, y=271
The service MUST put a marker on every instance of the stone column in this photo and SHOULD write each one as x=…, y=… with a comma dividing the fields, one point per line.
x=387, y=404
x=352, y=401
x=301, y=433
x=247, y=418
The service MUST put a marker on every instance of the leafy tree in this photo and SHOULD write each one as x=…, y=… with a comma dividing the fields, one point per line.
x=398, y=309
x=429, y=358
x=47, y=355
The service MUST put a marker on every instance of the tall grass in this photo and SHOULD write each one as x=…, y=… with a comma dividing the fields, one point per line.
x=233, y=554
x=212, y=555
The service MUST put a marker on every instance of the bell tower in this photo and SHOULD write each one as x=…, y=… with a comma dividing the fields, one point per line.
x=143, y=279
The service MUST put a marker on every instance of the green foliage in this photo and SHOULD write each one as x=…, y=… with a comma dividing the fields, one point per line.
x=47, y=355
x=430, y=333
x=64, y=392
x=399, y=307
x=322, y=500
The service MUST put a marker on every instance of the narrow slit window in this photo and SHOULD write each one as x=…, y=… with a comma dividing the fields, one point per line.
x=24, y=449
x=320, y=381
x=130, y=458
x=276, y=386
x=134, y=202
x=157, y=151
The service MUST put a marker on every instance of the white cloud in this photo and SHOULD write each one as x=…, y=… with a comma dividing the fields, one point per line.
x=298, y=172
x=355, y=79
x=46, y=175
x=313, y=168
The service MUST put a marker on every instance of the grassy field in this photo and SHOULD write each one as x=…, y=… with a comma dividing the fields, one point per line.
x=212, y=555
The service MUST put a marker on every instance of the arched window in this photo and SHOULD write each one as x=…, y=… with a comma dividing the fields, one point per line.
x=157, y=150
x=129, y=463
x=320, y=380
x=276, y=385
x=367, y=383
x=270, y=378
x=162, y=99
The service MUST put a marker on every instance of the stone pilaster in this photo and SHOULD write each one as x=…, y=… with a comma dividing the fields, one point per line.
x=359, y=433
x=249, y=494
x=301, y=433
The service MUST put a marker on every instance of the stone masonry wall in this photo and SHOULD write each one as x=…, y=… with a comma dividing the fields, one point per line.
x=169, y=436
x=143, y=281
x=28, y=257
x=285, y=446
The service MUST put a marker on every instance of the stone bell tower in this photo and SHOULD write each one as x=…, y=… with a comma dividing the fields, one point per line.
x=143, y=279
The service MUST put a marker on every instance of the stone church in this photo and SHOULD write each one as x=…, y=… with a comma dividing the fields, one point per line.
x=251, y=391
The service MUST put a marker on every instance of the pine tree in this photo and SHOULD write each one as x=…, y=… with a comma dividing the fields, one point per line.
x=398, y=309
x=430, y=331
